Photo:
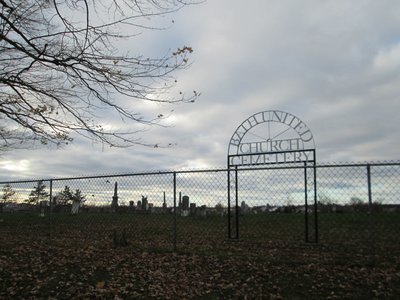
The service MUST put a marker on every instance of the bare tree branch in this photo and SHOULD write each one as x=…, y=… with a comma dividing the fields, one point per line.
x=60, y=67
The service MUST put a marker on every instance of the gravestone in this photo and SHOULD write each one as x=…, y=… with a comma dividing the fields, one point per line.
x=185, y=202
x=131, y=207
x=114, y=203
x=119, y=239
x=202, y=212
x=75, y=207
x=180, y=200
x=145, y=203
x=244, y=208
x=164, y=203
x=42, y=205
x=185, y=206
x=192, y=208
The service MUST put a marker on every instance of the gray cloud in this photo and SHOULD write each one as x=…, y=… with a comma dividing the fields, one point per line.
x=333, y=64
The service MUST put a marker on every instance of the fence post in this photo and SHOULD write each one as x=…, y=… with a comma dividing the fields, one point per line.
x=51, y=210
x=370, y=220
x=174, y=227
x=315, y=203
x=369, y=187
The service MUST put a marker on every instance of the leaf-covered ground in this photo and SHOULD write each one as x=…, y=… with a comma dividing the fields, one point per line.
x=34, y=268
x=75, y=257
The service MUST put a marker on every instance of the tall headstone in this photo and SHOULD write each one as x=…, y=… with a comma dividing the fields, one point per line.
x=42, y=208
x=145, y=203
x=114, y=203
x=75, y=207
x=185, y=202
x=185, y=206
x=180, y=200
x=164, y=203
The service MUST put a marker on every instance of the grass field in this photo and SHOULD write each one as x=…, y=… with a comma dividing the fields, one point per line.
x=64, y=256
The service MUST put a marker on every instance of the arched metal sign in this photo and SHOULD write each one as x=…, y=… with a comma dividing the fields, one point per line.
x=265, y=138
x=271, y=137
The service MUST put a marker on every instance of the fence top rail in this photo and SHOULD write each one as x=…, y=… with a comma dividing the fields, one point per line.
x=362, y=164
x=215, y=170
x=153, y=173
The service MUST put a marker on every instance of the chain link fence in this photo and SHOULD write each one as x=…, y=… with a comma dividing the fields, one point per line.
x=358, y=208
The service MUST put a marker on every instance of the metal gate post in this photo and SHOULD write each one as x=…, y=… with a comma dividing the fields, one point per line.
x=237, y=202
x=305, y=203
x=229, y=204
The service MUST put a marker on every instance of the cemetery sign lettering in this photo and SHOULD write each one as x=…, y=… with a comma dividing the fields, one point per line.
x=270, y=137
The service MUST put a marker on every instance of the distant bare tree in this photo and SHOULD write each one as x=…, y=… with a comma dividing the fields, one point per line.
x=66, y=196
x=60, y=70
x=38, y=194
x=8, y=193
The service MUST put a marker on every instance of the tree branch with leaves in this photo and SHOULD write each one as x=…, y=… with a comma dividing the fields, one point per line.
x=60, y=68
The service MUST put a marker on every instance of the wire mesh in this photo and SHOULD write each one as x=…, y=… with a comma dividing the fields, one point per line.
x=358, y=208
x=201, y=209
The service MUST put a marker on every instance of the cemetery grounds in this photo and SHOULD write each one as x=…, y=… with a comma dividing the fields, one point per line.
x=68, y=256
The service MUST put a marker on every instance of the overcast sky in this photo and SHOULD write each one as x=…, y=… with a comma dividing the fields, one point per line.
x=333, y=64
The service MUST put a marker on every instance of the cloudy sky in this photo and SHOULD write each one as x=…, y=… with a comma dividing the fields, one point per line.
x=333, y=64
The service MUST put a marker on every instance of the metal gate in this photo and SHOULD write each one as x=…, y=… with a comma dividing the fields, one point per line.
x=276, y=203
x=282, y=142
